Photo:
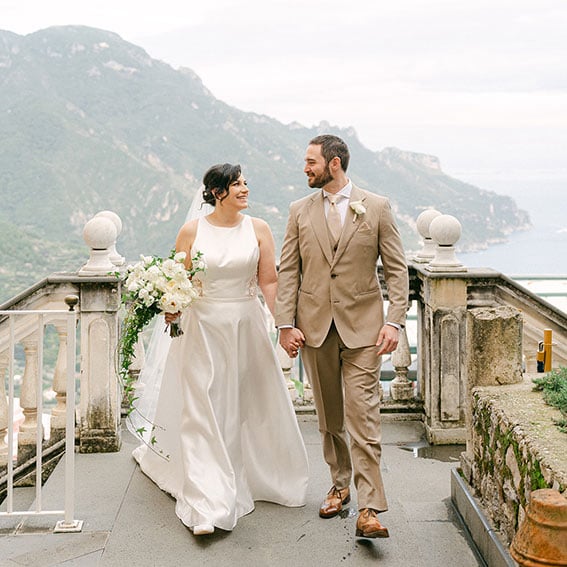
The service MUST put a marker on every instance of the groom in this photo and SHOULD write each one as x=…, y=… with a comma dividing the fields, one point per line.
x=330, y=305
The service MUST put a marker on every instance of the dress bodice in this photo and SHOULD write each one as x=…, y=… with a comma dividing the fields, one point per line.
x=231, y=255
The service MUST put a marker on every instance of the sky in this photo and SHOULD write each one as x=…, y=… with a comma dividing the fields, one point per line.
x=481, y=85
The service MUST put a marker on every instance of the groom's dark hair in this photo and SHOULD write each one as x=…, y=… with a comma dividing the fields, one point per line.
x=332, y=146
x=217, y=180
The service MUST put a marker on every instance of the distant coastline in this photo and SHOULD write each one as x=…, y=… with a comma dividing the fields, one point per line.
x=539, y=250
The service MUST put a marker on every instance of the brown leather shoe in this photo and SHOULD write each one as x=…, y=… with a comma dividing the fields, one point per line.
x=368, y=525
x=334, y=501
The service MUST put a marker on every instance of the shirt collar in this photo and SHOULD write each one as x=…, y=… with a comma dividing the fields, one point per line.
x=345, y=191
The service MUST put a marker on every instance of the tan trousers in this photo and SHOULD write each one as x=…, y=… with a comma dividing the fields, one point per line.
x=345, y=386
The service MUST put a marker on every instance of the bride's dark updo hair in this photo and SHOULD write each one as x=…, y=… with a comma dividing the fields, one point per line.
x=217, y=181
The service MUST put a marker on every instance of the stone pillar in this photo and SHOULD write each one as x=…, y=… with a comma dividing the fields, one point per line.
x=494, y=346
x=494, y=358
x=442, y=369
x=100, y=390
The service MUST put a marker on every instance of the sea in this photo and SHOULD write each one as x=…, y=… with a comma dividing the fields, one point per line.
x=529, y=255
x=540, y=250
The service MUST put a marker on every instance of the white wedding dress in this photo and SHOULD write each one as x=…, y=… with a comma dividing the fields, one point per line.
x=225, y=429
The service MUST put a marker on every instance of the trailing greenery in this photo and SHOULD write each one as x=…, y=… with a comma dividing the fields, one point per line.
x=554, y=388
x=152, y=286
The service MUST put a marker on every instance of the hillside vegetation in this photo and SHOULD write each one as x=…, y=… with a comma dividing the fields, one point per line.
x=91, y=122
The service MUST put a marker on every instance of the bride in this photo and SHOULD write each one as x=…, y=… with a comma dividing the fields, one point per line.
x=225, y=432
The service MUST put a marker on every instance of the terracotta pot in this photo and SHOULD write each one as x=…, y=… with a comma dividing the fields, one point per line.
x=541, y=539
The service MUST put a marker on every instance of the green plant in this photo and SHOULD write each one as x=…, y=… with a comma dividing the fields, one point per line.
x=554, y=388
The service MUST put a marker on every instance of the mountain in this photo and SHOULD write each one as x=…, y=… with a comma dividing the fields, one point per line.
x=91, y=122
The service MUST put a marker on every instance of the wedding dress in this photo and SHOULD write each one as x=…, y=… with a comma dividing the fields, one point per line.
x=225, y=430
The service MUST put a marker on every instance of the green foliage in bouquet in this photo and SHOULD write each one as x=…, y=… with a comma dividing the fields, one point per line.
x=151, y=287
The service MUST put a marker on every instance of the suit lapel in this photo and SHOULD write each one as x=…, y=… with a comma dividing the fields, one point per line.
x=319, y=225
x=351, y=224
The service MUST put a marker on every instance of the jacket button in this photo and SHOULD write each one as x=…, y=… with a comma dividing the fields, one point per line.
x=333, y=276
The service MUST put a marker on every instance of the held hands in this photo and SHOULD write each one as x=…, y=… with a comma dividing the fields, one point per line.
x=291, y=340
x=387, y=340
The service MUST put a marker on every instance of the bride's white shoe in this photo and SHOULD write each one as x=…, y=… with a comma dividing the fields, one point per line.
x=203, y=529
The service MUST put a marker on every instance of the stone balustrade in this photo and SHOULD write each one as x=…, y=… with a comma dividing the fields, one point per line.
x=477, y=331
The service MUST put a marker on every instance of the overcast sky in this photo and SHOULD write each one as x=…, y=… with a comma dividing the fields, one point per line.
x=481, y=84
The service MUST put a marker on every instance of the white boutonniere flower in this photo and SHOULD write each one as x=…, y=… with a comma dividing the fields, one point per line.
x=358, y=209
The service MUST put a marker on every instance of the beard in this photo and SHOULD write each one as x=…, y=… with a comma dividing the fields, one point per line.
x=319, y=181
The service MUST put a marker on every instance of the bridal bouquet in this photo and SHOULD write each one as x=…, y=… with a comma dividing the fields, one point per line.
x=153, y=286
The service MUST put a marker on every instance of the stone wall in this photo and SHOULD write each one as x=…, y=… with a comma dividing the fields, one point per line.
x=515, y=448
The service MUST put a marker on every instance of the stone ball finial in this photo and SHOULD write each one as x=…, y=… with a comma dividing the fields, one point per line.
x=115, y=257
x=114, y=218
x=445, y=230
x=99, y=233
x=423, y=221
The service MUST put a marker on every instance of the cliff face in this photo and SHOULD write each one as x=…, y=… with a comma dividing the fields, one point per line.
x=391, y=156
x=90, y=122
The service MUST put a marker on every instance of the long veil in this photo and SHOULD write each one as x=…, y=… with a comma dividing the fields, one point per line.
x=148, y=385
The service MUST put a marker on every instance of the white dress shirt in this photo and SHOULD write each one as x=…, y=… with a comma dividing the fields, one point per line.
x=342, y=204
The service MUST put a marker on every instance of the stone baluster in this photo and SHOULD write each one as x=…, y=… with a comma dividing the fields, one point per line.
x=401, y=388
x=494, y=358
x=427, y=253
x=60, y=381
x=28, y=393
x=3, y=410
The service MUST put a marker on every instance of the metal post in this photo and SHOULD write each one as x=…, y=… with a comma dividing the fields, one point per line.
x=547, y=349
x=10, y=497
x=69, y=524
x=39, y=409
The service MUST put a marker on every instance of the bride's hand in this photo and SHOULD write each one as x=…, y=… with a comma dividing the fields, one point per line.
x=170, y=317
x=291, y=340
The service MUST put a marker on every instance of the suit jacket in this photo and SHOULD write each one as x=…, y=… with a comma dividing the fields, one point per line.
x=317, y=287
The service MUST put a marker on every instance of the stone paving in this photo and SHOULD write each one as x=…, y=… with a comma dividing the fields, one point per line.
x=129, y=521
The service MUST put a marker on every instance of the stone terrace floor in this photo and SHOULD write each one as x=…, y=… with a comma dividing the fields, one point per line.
x=129, y=521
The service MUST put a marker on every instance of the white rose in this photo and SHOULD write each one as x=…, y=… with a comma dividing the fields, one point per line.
x=170, y=303
x=358, y=207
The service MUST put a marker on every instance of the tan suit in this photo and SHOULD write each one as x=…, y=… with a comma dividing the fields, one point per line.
x=334, y=297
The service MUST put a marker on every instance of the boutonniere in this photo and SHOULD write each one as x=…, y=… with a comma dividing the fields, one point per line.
x=358, y=209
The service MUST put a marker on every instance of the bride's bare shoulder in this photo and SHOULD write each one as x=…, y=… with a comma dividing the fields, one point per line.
x=186, y=235
x=260, y=224
x=189, y=228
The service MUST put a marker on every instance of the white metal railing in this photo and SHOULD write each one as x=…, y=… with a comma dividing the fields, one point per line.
x=43, y=317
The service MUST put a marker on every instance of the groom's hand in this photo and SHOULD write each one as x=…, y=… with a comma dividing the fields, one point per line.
x=291, y=340
x=387, y=340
